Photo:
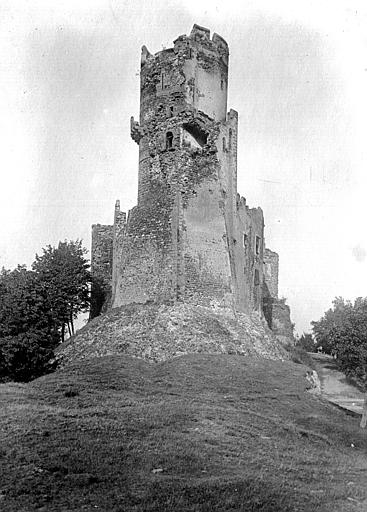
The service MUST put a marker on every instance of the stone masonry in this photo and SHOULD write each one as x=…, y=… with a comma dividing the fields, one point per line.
x=191, y=238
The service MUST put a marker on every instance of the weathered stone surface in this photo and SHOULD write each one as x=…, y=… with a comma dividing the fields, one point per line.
x=271, y=272
x=157, y=332
x=191, y=238
x=101, y=268
x=281, y=324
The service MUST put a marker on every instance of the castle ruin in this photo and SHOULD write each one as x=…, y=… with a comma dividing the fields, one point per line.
x=191, y=237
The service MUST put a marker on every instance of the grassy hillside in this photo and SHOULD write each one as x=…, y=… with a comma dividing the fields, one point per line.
x=196, y=433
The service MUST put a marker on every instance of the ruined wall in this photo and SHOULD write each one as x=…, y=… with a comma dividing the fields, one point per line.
x=249, y=247
x=276, y=311
x=208, y=218
x=271, y=272
x=270, y=284
x=191, y=237
x=175, y=85
x=174, y=245
x=101, y=268
x=281, y=319
x=143, y=260
x=206, y=265
x=206, y=72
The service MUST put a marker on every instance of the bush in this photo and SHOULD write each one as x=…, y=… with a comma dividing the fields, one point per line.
x=300, y=356
x=26, y=356
x=306, y=342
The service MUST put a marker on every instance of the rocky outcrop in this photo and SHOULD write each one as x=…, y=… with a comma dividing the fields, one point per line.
x=157, y=332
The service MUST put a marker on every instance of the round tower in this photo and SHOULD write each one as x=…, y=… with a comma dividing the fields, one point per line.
x=183, y=90
x=174, y=246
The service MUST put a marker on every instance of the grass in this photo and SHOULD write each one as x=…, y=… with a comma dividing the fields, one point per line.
x=196, y=433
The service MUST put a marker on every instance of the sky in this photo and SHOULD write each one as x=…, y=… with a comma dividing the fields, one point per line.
x=69, y=82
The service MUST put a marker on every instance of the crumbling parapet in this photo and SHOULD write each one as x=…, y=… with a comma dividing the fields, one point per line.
x=281, y=319
x=136, y=131
x=119, y=219
x=276, y=311
x=271, y=271
x=101, y=268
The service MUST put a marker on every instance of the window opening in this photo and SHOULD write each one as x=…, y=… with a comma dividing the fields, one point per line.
x=257, y=244
x=245, y=240
x=169, y=140
x=256, y=277
x=199, y=135
x=230, y=138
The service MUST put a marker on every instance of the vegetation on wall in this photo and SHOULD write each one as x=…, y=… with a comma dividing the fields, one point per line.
x=37, y=307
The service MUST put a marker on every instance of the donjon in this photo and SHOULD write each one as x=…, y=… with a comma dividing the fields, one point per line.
x=191, y=237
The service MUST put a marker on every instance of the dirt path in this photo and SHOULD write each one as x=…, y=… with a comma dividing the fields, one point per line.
x=334, y=386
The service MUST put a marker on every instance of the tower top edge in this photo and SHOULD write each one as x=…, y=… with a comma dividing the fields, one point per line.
x=199, y=36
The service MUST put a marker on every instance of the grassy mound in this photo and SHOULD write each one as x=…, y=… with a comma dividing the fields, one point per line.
x=157, y=332
x=195, y=433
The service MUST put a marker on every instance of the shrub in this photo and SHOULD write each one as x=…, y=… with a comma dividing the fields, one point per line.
x=306, y=342
x=300, y=356
x=25, y=356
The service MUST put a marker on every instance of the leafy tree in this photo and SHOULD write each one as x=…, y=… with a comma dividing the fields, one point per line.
x=64, y=273
x=306, y=342
x=28, y=334
x=27, y=355
x=332, y=321
x=23, y=303
x=343, y=330
x=37, y=305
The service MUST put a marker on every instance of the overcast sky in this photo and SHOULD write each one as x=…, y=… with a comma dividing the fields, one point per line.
x=298, y=70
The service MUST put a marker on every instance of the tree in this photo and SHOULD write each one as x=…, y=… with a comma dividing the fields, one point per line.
x=331, y=322
x=36, y=306
x=64, y=274
x=23, y=303
x=28, y=334
x=343, y=330
x=27, y=355
x=306, y=342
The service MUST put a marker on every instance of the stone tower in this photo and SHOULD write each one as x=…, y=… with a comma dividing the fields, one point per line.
x=191, y=237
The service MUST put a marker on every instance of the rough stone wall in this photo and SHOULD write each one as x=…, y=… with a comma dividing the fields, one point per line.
x=157, y=332
x=175, y=245
x=270, y=284
x=101, y=268
x=271, y=272
x=281, y=319
x=206, y=72
x=206, y=265
x=276, y=311
x=248, y=240
x=191, y=237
